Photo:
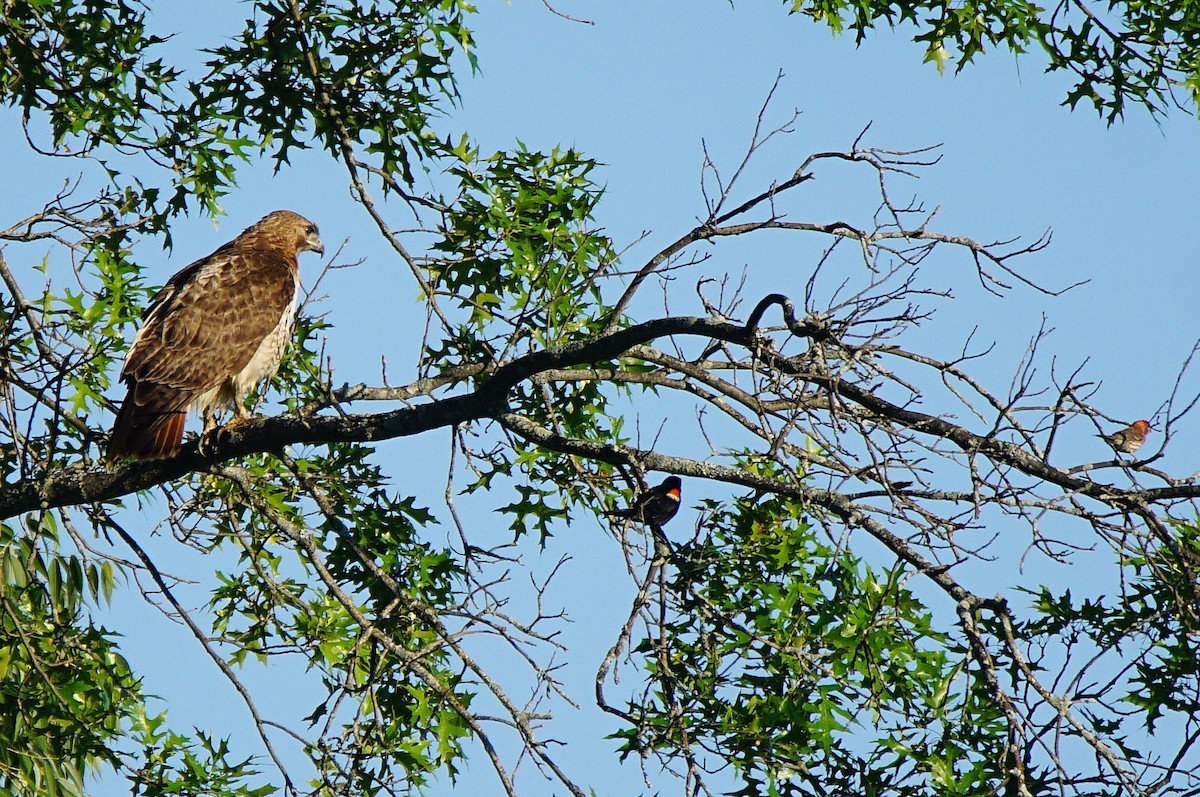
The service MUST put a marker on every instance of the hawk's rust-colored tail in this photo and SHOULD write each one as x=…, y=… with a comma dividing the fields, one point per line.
x=144, y=431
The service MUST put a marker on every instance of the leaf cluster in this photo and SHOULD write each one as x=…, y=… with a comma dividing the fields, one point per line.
x=519, y=252
x=806, y=669
x=65, y=689
x=1119, y=54
x=339, y=74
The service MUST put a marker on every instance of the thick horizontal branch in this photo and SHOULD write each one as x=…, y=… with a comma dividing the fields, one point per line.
x=84, y=484
x=89, y=484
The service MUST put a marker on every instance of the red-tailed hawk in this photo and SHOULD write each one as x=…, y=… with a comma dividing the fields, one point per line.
x=214, y=331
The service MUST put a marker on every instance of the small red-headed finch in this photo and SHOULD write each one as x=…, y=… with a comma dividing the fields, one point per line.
x=655, y=506
x=1129, y=439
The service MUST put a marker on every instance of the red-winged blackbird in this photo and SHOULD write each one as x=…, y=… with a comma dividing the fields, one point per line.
x=655, y=506
x=1129, y=439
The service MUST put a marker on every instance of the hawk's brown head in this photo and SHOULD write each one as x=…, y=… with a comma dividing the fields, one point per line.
x=290, y=229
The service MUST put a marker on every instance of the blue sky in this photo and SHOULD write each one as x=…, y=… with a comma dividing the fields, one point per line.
x=639, y=90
